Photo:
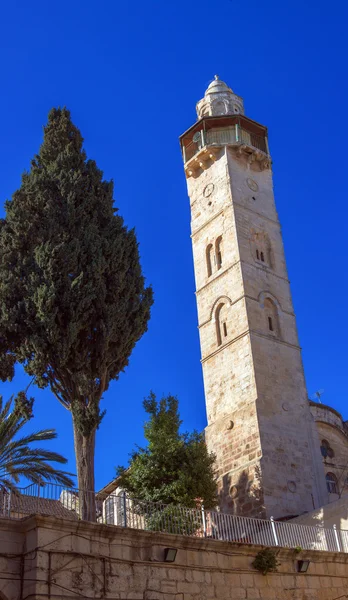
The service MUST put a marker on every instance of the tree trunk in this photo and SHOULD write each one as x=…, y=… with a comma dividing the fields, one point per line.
x=84, y=452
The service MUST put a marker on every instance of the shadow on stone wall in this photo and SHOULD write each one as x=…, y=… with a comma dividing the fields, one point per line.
x=243, y=497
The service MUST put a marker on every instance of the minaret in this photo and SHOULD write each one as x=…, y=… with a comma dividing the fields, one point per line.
x=259, y=422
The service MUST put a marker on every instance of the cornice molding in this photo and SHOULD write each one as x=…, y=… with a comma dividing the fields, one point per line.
x=256, y=212
x=245, y=333
x=210, y=220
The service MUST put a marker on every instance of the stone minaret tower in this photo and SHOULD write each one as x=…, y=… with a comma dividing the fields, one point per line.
x=259, y=422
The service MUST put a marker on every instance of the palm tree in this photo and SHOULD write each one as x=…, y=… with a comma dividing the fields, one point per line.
x=18, y=457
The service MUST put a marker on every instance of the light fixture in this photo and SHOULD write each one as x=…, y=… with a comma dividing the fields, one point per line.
x=170, y=554
x=302, y=566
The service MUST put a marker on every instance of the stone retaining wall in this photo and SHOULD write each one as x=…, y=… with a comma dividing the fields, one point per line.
x=45, y=557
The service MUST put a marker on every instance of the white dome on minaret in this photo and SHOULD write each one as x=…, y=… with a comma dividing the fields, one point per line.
x=219, y=100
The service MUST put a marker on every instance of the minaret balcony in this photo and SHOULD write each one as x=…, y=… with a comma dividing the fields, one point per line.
x=201, y=144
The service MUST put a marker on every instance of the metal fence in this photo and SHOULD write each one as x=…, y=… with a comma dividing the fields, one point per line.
x=120, y=510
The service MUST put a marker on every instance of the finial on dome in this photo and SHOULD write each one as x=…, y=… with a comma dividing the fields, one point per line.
x=217, y=78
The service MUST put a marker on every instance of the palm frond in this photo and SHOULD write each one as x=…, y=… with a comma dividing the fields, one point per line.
x=39, y=436
x=17, y=456
x=40, y=473
x=35, y=454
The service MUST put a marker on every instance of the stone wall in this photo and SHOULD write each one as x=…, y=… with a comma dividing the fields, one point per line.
x=269, y=460
x=290, y=465
x=335, y=513
x=333, y=432
x=44, y=557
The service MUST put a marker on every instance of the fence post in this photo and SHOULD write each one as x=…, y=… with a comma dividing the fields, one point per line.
x=38, y=495
x=267, y=146
x=274, y=531
x=336, y=538
x=203, y=521
x=124, y=500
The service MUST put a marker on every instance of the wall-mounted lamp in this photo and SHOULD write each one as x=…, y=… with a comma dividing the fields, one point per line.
x=170, y=554
x=302, y=566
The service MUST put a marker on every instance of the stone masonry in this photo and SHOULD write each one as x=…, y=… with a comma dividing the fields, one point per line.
x=49, y=558
x=259, y=420
x=333, y=441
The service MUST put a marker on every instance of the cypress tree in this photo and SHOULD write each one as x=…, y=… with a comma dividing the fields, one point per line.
x=73, y=300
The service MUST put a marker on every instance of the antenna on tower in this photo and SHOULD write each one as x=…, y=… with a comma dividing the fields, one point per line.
x=317, y=396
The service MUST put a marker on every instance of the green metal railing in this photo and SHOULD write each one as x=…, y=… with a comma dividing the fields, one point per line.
x=234, y=135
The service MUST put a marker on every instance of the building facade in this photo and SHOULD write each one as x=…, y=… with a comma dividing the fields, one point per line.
x=333, y=442
x=260, y=424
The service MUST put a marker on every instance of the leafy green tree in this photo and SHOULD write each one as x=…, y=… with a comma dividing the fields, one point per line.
x=73, y=301
x=175, y=468
x=18, y=456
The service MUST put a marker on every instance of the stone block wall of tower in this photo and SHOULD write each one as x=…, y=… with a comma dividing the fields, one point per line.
x=292, y=476
x=229, y=380
x=259, y=423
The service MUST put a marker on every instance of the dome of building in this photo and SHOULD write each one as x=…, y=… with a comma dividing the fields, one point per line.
x=217, y=86
x=219, y=99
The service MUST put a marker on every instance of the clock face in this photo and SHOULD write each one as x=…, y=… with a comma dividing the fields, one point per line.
x=251, y=183
x=208, y=190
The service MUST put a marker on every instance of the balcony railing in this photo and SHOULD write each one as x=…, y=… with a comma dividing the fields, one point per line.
x=120, y=510
x=234, y=135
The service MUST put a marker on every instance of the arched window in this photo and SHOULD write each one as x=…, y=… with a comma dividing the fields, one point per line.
x=331, y=483
x=261, y=247
x=209, y=259
x=221, y=323
x=219, y=108
x=271, y=315
x=218, y=252
x=326, y=449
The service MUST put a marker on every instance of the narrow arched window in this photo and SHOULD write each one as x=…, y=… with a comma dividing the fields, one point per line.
x=209, y=259
x=221, y=323
x=218, y=252
x=331, y=483
x=271, y=317
x=324, y=448
x=261, y=248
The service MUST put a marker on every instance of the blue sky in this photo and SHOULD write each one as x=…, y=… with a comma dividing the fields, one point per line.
x=131, y=73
